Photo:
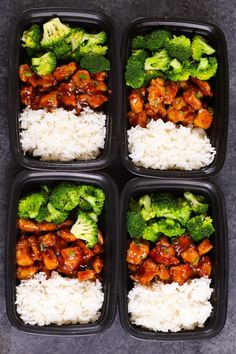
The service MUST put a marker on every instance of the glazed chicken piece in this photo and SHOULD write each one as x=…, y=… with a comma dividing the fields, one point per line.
x=100, y=238
x=48, y=240
x=27, y=75
x=96, y=86
x=97, y=264
x=204, y=247
x=34, y=226
x=66, y=95
x=182, y=243
x=84, y=275
x=136, y=101
x=87, y=253
x=156, y=92
x=64, y=72
x=146, y=272
x=97, y=249
x=36, y=255
x=66, y=235
x=59, y=245
x=203, y=119
x=178, y=103
x=101, y=76
x=46, y=100
x=23, y=253
x=171, y=89
x=137, y=252
x=163, y=273
x=70, y=260
x=81, y=79
x=192, y=97
x=27, y=94
x=65, y=224
x=175, y=115
x=164, y=253
x=96, y=100
x=157, y=111
x=49, y=259
x=46, y=82
x=204, y=267
x=138, y=119
x=23, y=273
x=181, y=273
x=191, y=255
x=203, y=85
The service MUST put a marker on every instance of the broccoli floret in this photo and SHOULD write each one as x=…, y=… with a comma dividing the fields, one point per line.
x=65, y=196
x=206, y=68
x=95, y=63
x=197, y=202
x=51, y=214
x=62, y=50
x=30, y=205
x=169, y=227
x=200, y=47
x=91, y=44
x=151, y=232
x=53, y=33
x=179, y=48
x=159, y=61
x=94, y=49
x=31, y=38
x=152, y=74
x=140, y=55
x=135, y=224
x=146, y=211
x=156, y=39
x=134, y=205
x=75, y=37
x=45, y=64
x=180, y=71
x=139, y=42
x=134, y=73
x=85, y=228
x=93, y=195
x=183, y=211
x=199, y=227
x=91, y=39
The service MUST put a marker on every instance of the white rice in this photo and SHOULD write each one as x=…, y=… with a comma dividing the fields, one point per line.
x=170, y=307
x=166, y=146
x=58, y=300
x=61, y=135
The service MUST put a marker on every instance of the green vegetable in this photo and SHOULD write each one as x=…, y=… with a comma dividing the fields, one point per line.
x=138, y=42
x=206, y=68
x=147, y=210
x=134, y=74
x=62, y=51
x=94, y=49
x=200, y=47
x=65, y=196
x=135, y=224
x=44, y=64
x=140, y=55
x=153, y=74
x=197, y=202
x=179, y=71
x=199, y=227
x=151, y=232
x=54, y=33
x=91, y=44
x=85, y=229
x=94, y=63
x=30, y=205
x=169, y=227
x=157, y=39
x=179, y=47
x=159, y=61
x=54, y=215
x=31, y=38
x=91, y=195
x=75, y=37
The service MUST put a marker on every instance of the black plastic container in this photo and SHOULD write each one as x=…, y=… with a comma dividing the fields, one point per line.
x=108, y=221
x=220, y=85
x=219, y=256
x=89, y=21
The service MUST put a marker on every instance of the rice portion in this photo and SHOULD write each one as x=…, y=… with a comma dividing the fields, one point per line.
x=166, y=146
x=170, y=307
x=58, y=300
x=61, y=135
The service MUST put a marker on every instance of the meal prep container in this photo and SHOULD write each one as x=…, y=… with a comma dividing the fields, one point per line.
x=90, y=21
x=219, y=102
x=108, y=222
x=219, y=256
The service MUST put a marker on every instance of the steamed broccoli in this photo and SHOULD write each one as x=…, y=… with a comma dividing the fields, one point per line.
x=152, y=74
x=159, y=61
x=31, y=38
x=75, y=37
x=65, y=196
x=92, y=195
x=30, y=205
x=179, y=48
x=95, y=49
x=183, y=211
x=151, y=232
x=134, y=73
x=206, y=68
x=146, y=211
x=199, y=227
x=156, y=39
x=197, y=202
x=62, y=50
x=180, y=71
x=51, y=214
x=200, y=47
x=138, y=42
x=169, y=227
x=135, y=224
x=54, y=32
x=91, y=44
x=85, y=228
x=44, y=64
x=134, y=205
x=91, y=39
x=94, y=63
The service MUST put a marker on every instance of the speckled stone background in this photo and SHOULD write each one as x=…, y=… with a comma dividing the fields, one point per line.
x=115, y=340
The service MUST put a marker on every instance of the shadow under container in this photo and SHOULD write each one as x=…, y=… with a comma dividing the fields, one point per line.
x=89, y=21
x=217, y=133
x=219, y=256
x=24, y=182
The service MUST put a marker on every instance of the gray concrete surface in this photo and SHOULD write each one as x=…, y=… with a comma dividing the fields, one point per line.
x=115, y=340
